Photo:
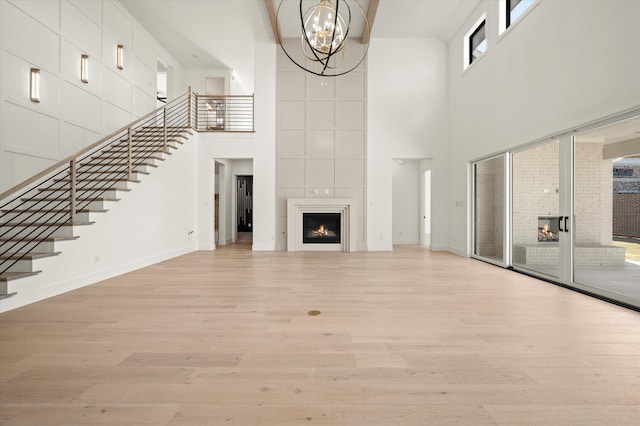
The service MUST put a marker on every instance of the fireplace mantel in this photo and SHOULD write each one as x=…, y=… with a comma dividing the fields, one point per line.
x=296, y=207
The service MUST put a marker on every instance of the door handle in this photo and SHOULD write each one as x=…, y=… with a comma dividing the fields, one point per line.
x=566, y=225
x=560, y=224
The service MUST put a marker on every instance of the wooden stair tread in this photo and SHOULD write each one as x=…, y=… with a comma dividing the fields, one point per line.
x=81, y=174
x=29, y=255
x=46, y=240
x=7, y=276
x=123, y=157
x=101, y=180
x=102, y=164
x=48, y=224
x=79, y=200
x=92, y=189
x=134, y=157
x=55, y=211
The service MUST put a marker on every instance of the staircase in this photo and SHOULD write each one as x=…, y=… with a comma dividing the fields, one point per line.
x=39, y=216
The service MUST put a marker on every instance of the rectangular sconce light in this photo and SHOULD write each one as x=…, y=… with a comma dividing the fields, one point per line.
x=34, y=85
x=120, y=57
x=84, y=68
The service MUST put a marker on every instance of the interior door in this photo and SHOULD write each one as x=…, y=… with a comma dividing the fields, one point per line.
x=244, y=197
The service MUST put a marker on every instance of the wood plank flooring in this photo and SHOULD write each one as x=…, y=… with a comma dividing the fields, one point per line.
x=408, y=337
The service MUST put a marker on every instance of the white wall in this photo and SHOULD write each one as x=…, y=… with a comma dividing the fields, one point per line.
x=52, y=35
x=153, y=222
x=407, y=118
x=564, y=64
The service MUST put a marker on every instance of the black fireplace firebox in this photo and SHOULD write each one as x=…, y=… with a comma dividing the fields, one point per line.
x=548, y=229
x=321, y=228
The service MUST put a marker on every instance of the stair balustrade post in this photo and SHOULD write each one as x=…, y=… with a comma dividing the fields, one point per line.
x=72, y=191
x=197, y=109
x=129, y=150
x=189, y=109
x=164, y=118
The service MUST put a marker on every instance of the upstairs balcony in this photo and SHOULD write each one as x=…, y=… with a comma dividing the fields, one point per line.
x=218, y=113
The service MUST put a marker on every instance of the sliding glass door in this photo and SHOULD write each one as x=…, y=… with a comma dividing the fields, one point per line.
x=606, y=244
x=489, y=183
x=537, y=226
x=566, y=209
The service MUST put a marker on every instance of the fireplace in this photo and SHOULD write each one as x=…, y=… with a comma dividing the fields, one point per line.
x=548, y=229
x=321, y=228
x=322, y=224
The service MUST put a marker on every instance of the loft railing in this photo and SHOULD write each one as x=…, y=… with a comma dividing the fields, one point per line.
x=33, y=211
x=224, y=113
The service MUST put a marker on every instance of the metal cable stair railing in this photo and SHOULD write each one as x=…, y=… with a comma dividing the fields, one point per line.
x=44, y=209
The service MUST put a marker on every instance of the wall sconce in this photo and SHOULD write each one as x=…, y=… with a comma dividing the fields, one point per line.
x=120, y=57
x=84, y=68
x=34, y=85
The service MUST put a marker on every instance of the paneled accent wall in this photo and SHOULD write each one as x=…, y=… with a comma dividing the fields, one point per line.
x=321, y=140
x=52, y=35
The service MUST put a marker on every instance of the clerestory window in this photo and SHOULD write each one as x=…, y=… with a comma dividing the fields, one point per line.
x=512, y=10
x=475, y=42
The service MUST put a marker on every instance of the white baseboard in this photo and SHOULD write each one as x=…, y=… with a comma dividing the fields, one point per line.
x=380, y=247
x=262, y=247
x=406, y=243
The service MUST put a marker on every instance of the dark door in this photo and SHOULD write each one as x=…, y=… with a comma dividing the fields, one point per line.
x=244, y=192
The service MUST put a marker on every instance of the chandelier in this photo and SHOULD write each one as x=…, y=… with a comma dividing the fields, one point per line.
x=324, y=33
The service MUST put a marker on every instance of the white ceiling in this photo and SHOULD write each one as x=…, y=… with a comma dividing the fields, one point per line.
x=614, y=133
x=214, y=33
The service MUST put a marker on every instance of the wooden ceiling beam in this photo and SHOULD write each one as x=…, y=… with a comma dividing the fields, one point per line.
x=273, y=18
x=371, y=16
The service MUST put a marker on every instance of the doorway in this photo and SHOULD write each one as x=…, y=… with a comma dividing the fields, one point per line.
x=425, y=239
x=214, y=86
x=411, y=201
x=233, y=219
x=406, y=200
x=162, y=82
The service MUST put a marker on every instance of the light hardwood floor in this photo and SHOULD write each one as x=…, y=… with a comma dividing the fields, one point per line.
x=408, y=337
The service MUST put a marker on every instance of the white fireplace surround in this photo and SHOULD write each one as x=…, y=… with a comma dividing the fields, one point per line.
x=296, y=207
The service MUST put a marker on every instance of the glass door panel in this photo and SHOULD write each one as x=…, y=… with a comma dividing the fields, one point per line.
x=606, y=243
x=537, y=226
x=489, y=209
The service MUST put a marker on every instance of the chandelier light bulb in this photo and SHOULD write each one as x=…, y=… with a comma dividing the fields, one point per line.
x=323, y=38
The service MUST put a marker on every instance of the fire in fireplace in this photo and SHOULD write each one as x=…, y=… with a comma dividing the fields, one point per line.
x=321, y=228
x=548, y=229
